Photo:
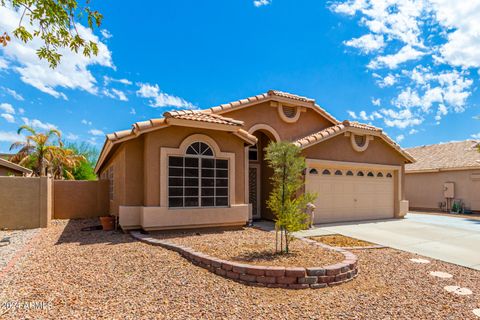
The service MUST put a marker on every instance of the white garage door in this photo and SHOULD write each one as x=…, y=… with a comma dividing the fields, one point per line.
x=351, y=194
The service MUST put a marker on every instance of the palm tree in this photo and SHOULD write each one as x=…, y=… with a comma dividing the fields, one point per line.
x=63, y=162
x=38, y=150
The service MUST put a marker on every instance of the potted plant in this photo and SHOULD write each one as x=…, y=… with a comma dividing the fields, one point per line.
x=108, y=223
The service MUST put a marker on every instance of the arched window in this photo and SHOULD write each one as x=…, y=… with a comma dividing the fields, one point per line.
x=253, y=153
x=313, y=171
x=200, y=149
x=326, y=172
x=338, y=173
x=370, y=174
x=197, y=179
x=389, y=175
x=360, y=173
x=380, y=175
x=349, y=173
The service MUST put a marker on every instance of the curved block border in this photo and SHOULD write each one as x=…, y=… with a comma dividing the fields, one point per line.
x=267, y=276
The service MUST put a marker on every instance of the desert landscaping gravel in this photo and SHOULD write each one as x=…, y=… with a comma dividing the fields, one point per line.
x=18, y=239
x=252, y=246
x=338, y=240
x=108, y=275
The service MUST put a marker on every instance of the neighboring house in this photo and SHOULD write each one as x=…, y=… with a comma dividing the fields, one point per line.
x=207, y=168
x=8, y=168
x=436, y=166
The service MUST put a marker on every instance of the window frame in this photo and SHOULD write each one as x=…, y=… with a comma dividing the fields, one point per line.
x=201, y=179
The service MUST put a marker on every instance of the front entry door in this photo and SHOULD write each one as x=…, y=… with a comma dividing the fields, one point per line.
x=254, y=189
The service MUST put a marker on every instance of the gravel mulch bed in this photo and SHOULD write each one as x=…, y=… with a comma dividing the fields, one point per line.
x=18, y=239
x=338, y=240
x=108, y=275
x=252, y=246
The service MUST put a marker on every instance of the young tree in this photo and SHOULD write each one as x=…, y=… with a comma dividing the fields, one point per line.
x=286, y=200
x=55, y=24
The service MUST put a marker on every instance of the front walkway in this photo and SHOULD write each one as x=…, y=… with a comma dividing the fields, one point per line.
x=451, y=239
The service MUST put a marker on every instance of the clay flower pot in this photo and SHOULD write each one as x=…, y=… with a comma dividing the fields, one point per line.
x=108, y=223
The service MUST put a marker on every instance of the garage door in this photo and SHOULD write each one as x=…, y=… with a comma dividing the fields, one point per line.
x=351, y=194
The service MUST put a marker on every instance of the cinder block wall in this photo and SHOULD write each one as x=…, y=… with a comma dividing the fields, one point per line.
x=25, y=203
x=80, y=199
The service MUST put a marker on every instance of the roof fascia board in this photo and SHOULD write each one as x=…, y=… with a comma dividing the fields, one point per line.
x=14, y=166
x=442, y=169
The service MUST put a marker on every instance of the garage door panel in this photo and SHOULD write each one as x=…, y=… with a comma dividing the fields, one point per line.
x=349, y=198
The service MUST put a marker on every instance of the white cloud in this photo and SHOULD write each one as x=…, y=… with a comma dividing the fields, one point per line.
x=392, y=61
x=352, y=114
x=14, y=94
x=400, y=119
x=107, y=80
x=3, y=63
x=413, y=131
x=376, y=102
x=86, y=122
x=475, y=136
x=96, y=132
x=71, y=136
x=367, y=43
x=37, y=124
x=161, y=99
x=7, y=107
x=21, y=110
x=387, y=81
x=260, y=3
x=133, y=111
x=106, y=34
x=72, y=72
x=400, y=138
x=10, y=136
x=115, y=94
x=8, y=117
x=442, y=111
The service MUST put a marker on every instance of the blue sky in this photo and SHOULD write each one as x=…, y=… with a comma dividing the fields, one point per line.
x=410, y=67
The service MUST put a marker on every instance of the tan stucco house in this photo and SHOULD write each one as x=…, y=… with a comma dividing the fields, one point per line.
x=8, y=168
x=444, y=172
x=206, y=168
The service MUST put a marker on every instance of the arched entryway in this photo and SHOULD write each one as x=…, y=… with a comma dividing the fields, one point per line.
x=259, y=173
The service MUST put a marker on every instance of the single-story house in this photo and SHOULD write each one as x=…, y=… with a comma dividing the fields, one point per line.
x=207, y=168
x=444, y=171
x=8, y=168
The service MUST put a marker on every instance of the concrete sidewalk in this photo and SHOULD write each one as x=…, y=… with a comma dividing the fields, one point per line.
x=451, y=239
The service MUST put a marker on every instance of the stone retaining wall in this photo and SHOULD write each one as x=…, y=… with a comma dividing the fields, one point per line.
x=267, y=276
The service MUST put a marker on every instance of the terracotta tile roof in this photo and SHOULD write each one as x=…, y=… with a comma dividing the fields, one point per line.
x=333, y=130
x=201, y=116
x=346, y=126
x=269, y=96
x=444, y=156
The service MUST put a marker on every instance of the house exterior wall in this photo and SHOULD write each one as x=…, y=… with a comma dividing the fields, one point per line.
x=6, y=172
x=425, y=190
x=25, y=202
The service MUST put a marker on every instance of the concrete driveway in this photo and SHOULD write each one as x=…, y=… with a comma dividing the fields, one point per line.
x=451, y=239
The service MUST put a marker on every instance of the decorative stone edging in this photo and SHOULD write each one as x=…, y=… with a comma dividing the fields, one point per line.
x=267, y=276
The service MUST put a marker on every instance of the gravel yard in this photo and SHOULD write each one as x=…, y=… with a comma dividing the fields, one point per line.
x=252, y=246
x=337, y=240
x=95, y=274
x=18, y=239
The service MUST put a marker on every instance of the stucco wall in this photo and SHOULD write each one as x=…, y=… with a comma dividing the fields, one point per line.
x=310, y=121
x=80, y=199
x=425, y=190
x=25, y=203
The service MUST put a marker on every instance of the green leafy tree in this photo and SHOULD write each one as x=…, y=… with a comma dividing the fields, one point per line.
x=286, y=200
x=54, y=23
x=86, y=169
